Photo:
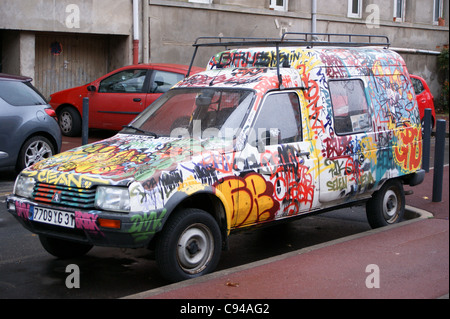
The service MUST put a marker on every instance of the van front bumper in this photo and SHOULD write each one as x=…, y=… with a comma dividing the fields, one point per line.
x=128, y=230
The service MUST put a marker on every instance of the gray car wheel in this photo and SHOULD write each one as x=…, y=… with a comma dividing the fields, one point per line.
x=34, y=150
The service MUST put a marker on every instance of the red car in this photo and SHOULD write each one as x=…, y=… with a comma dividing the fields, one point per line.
x=117, y=97
x=425, y=99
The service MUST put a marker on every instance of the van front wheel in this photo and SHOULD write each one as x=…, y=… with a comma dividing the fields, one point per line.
x=64, y=249
x=189, y=245
x=387, y=206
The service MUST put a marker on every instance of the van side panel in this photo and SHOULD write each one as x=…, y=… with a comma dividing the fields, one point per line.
x=355, y=163
x=393, y=147
x=397, y=119
x=350, y=152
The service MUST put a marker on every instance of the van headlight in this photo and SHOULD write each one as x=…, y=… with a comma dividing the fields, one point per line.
x=24, y=186
x=112, y=198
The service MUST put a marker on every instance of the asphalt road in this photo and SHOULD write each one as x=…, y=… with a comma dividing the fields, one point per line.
x=28, y=271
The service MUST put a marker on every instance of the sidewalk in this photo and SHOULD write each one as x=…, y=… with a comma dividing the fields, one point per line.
x=412, y=258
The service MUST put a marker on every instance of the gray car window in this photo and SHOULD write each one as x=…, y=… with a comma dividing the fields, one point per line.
x=20, y=93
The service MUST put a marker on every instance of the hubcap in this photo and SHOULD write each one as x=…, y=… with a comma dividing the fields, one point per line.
x=390, y=206
x=195, y=248
x=65, y=122
x=36, y=152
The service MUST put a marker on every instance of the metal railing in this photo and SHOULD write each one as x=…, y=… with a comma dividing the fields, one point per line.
x=302, y=39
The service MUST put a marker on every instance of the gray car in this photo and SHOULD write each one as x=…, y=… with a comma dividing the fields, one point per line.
x=29, y=131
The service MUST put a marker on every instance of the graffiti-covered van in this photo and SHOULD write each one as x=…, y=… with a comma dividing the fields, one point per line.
x=251, y=140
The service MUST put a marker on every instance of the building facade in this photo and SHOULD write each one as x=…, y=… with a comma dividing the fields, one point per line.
x=65, y=43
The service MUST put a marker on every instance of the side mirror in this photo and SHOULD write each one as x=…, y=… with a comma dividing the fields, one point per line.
x=91, y=88
x=271, y=136
x=260, y=146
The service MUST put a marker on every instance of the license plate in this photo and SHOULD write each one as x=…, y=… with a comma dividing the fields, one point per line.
x=54, y=217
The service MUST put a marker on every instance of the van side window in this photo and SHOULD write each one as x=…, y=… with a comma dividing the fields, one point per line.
x=270, y=119
x=350, y=109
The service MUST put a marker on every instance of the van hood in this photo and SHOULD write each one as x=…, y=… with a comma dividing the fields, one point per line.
x=123, y=159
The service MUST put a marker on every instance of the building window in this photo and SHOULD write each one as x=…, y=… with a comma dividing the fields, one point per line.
x=280, y=5
x=399, y=10
x=354, y=9
x=438, y=9
x=201, y=1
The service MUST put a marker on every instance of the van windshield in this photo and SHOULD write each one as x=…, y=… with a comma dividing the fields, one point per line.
x=197, y=113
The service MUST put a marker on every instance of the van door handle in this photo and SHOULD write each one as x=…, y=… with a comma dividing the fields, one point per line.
x=265, y=171
x=136, y=99
x=303, y=154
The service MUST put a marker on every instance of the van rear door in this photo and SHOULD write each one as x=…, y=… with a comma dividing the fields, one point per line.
x=349, y=153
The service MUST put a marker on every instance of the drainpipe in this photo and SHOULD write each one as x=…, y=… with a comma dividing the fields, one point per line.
x=313, y=16
x=135, y=31
x=145, y=34
x=415, y=51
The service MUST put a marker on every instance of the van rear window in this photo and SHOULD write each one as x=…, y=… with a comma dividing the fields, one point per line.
x=350, y=109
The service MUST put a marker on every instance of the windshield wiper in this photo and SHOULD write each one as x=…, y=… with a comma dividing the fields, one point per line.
x=141, y=130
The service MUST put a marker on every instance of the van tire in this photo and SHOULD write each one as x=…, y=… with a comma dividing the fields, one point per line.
x=387, y=206
x=64, y=249
x=194, y=228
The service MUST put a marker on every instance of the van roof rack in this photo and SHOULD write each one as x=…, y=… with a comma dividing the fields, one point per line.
x=292, y=39
x=301, y=39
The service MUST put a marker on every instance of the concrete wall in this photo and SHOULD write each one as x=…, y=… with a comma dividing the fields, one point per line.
x=83, y=16
x=172, y=41
x=17, y=46
x=10, y=51
x=22, y=20
x=175, y=24
x=169, y=27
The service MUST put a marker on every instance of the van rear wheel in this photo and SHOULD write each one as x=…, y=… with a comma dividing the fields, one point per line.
x=387, y=206
x=189, y=245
